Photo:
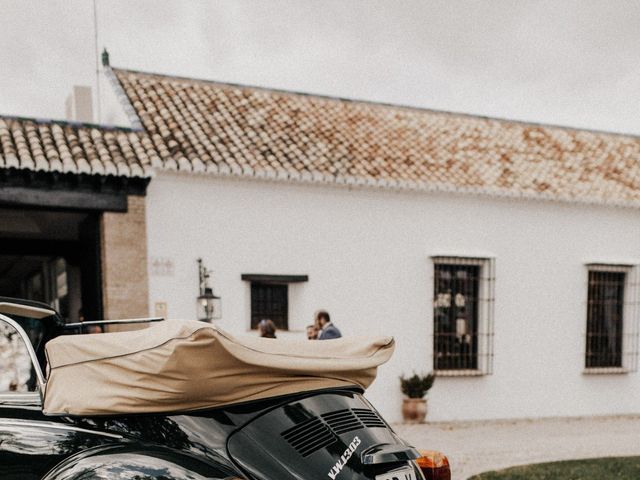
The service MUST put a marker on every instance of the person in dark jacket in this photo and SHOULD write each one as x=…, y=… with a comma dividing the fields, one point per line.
x=327, y=330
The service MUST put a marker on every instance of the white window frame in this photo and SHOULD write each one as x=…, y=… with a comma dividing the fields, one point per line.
x=630, y=317
x=486, y=312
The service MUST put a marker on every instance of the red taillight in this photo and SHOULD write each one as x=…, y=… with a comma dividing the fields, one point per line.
x=434, y=465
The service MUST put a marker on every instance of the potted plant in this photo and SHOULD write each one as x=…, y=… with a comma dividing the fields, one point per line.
x=414, y=407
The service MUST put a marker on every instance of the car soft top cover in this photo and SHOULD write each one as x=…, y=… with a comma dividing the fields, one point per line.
x=178, y=366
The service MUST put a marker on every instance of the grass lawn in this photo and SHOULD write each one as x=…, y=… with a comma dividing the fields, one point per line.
x=618, y=468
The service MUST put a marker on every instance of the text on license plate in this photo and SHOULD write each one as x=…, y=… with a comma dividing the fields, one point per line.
x=405, y=473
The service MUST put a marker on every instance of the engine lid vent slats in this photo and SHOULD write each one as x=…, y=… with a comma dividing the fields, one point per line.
x=370, y=418
x=342, y=421
x=319, y=432
x=309, y=436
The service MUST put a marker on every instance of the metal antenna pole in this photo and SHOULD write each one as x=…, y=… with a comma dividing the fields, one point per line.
x=95, y=43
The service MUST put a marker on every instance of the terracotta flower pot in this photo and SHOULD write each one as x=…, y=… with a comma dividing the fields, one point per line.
x=414, y=410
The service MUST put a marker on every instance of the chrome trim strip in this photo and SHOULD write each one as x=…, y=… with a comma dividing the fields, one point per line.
x=32, y=353
x=21, y=398
x=113, y=322
x=38, y=313
x=58, y=426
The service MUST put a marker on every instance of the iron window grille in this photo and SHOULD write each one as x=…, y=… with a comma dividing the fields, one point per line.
x=463, y=315
x=269, y=300
x=611, y=337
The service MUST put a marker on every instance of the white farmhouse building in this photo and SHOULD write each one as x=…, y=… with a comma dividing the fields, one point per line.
x=502, y=255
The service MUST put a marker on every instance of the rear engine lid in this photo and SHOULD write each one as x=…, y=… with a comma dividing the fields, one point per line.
x=335, y=436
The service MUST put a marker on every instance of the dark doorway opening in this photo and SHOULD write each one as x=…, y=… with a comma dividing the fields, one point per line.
x=52, y=256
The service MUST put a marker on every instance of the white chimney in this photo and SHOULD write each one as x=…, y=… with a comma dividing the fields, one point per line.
x=79, y=105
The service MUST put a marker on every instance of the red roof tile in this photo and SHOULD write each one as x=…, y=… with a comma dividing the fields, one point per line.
x=62, y=147
x=200, y=126
x=205, y=126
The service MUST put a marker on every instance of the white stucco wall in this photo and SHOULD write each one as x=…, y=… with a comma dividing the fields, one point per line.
x=367, y=256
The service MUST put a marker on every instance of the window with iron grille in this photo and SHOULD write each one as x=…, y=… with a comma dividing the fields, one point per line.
x=612, y=319
x=270, y=301
x=463, y=300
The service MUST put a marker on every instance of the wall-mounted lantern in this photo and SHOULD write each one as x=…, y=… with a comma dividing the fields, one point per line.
x=209, y=305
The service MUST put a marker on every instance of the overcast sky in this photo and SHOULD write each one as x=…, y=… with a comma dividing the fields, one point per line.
x=574, y=63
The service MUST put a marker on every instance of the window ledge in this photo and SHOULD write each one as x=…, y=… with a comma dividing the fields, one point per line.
x=459, y=373
x=605, y=370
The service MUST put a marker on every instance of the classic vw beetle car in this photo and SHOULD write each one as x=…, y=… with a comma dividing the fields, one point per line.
x=184, y=400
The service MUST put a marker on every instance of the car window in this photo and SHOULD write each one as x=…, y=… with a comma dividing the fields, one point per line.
x=33, y=328
x=16, y=370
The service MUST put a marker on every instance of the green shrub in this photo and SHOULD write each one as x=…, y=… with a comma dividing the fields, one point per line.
x=613, y=468
x=416, y=386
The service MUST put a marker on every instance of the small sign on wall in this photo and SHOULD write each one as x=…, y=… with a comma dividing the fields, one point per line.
x=162, y=267
x=160, y=309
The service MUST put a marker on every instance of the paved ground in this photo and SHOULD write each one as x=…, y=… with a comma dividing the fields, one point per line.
x=475, y=447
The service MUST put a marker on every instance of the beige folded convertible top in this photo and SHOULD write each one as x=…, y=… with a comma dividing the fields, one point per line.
x=177, y=366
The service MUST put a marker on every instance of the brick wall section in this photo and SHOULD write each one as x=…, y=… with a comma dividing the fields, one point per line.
x=125, y=283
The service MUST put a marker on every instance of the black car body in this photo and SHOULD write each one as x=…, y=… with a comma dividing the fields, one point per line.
x=333, y=433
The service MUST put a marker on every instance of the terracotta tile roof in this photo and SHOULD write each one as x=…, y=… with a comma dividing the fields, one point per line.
x=204, y=126
x=50, y=146
x=200, y=126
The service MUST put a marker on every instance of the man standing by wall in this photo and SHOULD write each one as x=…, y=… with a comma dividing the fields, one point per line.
x=327, y=329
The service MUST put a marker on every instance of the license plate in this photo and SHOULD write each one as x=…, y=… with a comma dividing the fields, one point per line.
x=405, y=473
